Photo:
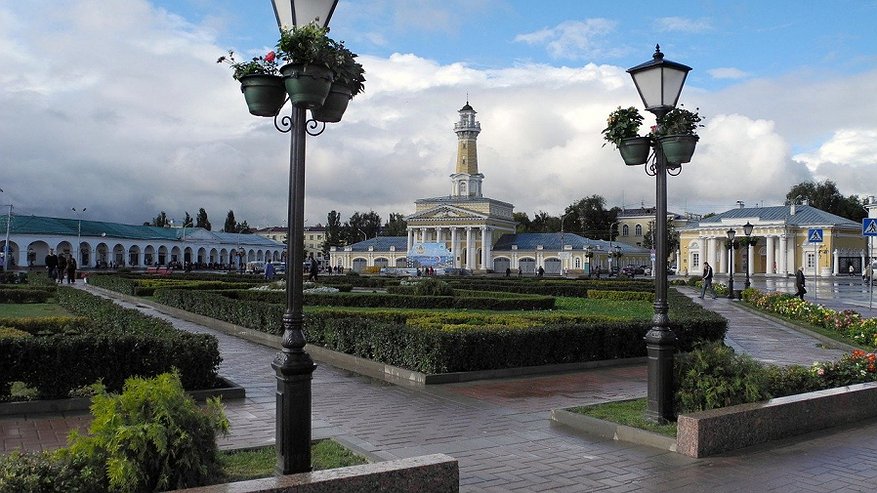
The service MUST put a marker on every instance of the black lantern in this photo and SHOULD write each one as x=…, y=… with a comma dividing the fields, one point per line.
x=747, y=229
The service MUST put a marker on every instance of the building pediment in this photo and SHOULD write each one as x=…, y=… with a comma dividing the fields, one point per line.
x=445, y=212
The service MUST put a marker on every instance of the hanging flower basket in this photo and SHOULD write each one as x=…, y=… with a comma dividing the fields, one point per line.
x=678, y=148
x=635, y=150
x=334, y=106
x=264, y=94
x=307, y=85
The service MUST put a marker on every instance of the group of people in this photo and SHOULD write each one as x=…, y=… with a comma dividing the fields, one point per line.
x=61, y=266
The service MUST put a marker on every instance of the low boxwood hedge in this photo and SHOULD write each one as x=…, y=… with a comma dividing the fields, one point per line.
x=435, y=342
x=108, y=343
x=24, y=295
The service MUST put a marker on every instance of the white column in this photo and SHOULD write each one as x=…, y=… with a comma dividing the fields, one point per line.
x=750, y=251
x=769, y=248
x=835, y=268
x=454, y=246
x=423, y=234
x=783, y=267
x=483, y=248
x=410, y=240
x=710, y=252
x=723, y=256
x=469, y=250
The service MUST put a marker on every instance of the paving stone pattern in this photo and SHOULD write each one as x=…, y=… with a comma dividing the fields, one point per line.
x=500, y=433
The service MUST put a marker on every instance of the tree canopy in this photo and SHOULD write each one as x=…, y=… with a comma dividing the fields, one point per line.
x=825, y=195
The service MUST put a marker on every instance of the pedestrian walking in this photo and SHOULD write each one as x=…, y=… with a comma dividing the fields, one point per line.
x=799, y=283
x=707, y=281
x=71, y=269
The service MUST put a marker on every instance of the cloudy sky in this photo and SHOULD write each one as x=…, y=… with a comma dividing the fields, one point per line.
x=118, y=105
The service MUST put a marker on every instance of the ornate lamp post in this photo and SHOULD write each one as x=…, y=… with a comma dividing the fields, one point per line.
x=293, y=365
x=731, y=235
x=589, y=254
x=659, y=83
x=747, y=229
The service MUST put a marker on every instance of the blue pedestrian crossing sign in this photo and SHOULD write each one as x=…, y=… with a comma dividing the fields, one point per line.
x=869, y=226
x=814, y=235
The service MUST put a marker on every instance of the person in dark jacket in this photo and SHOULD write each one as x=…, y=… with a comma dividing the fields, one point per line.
x=799, y=283
x=707, y=281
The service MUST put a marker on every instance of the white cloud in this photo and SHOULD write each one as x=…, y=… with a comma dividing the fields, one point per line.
x=682, y=24
x=848, y=158
x=574, y=40
x=727, y=73
x=125, y=111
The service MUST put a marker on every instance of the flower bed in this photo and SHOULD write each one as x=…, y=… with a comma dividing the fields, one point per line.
x=847, y=323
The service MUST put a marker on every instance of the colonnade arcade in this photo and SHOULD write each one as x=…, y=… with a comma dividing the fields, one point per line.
x=466, y=243
x=772, y=254
x=134, y=254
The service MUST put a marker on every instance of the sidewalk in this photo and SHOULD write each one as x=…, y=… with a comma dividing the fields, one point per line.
x=500, y=433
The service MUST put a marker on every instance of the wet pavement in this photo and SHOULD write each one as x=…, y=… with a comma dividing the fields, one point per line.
x=499, y=430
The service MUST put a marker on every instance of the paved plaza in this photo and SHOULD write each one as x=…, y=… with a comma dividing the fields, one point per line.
x=499, y=430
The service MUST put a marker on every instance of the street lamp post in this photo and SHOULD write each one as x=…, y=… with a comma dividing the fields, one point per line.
x=747, y=229
x=293, y=365
x=589, y=254
x=659, y=83
x=731, y=235
x=79, y=214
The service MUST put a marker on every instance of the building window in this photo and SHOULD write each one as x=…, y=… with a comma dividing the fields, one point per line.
x=695, y=260
x=625, y=231
x=578, y=262
x=811, y=260
x=639, y=230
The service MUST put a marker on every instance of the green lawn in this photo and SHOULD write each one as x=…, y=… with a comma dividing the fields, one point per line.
x=28, y=310
x=259, y=463
x=629, y=413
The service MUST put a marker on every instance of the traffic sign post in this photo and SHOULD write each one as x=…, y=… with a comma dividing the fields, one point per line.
x=815, y=236
x=869, y=230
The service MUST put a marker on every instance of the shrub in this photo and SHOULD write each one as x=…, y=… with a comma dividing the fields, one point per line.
x=152, y=437
x=713, y=376
x=432, y=287
x=621, y=295
x=46, y=472
x=24, y=295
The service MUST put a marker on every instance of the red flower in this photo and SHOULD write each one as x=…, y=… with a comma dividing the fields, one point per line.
x=269, y=57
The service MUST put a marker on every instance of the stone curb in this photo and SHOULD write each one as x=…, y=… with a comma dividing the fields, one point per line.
x=607, y=429
x=228, y=391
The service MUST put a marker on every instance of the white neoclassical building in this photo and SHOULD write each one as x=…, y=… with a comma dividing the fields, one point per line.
x=124, y=245
x=480, y=231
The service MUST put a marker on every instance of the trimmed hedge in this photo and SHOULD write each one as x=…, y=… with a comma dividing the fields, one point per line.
x=621, y=295
x=435, y=342
x=111, y=344
x=24, y=295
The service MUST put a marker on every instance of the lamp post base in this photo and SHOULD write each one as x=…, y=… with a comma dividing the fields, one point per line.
x=293, y=414
x=660, y=345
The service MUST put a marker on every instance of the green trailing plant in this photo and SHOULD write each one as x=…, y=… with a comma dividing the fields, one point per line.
x=623, y=123
x=305, y=45
x=260, y=65
x=713, y=376
x=151, y=437
x=679, y=121
x=348, y=72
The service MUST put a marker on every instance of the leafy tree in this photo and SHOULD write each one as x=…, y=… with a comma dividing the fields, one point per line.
x=544, y=223
x=523, y=222
x=161, y=221
x=244, y=228
x=672, y=238
x=334, y=233
x=188, y=222
x=231, y=224
x=825, y=195
x=201, y=221
x=395, y=226
x=589, y=217
x=361, y=226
